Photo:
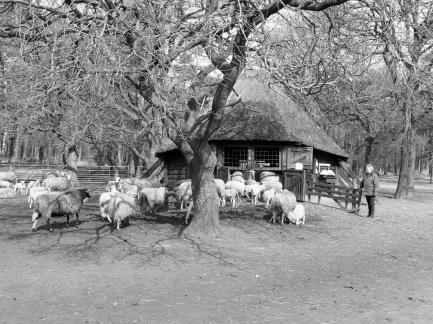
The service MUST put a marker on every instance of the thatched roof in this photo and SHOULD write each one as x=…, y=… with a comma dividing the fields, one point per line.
x=260, y=111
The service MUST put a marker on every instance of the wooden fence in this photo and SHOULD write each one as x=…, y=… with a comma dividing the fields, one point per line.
x=342, y=195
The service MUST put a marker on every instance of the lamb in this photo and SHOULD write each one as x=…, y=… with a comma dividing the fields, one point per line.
x=6, y=184
x=53, y=205
x=282, y=203
x=57, y=183
x=126, y=187
x=118, y=207
x=34, y=192
x=32, y=184
x=153, y=198
x=268, y=195
x=7, y=193
x=232, y=194
x=297, y=216
x=220, y=186
x=8, y=176
x=184, y=193
x=104, y=200
x=256, y=191
x=236, y=185
x=20, y=186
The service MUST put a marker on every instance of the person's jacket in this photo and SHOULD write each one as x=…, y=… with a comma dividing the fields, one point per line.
x=370, y=183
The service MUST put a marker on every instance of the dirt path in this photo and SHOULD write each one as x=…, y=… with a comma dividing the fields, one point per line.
x=338, y=268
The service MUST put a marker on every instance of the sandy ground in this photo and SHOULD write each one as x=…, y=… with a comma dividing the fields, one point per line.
x=337, y=268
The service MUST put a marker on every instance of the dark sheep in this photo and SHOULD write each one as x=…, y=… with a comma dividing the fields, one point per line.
x=65, y=204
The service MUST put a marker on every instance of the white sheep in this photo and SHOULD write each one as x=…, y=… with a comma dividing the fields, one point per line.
x=7, y=193
x=20, y=187
x=250, y=182
x=282, y=203
x=184, y=193
x=119, y=207
x=220, y=185
x=232, y=194
x=297, y=216
x=125, y=187
x=6, y=184
x=153, y=198
x=256, y=191
x=57, y=183
x=66, y=204
x=34, y=192
x=278, y=186
x=268, y=195
x=104, y=199
x=236, y=185
x=8, y=176
x=32, y=184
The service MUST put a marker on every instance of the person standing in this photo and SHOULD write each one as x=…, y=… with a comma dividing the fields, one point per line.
x=369, y=184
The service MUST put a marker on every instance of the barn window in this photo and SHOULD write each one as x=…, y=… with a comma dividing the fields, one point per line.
x=236, y=157
x=267, y=157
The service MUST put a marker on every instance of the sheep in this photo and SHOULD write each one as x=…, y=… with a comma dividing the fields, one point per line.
x=256, y=191
x=65, y=204
x=266, y=174
x=6, y=184
x=278, y=186
x=8, y=176
x=118, y=208
x=153, y=197
x=297, y=216
x=125, y=187
x=57, y=183
x=7, y=193
x=268, y=195
x=250, y=182
x=184, y=193
x=20, y=186
x=236, y=185
x=220, y=185
x=232, y=194
x=32, y=184
x=34, y=192
x=282, y=203
x=104, y=199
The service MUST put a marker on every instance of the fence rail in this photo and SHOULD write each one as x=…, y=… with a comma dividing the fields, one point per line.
x=340, y=194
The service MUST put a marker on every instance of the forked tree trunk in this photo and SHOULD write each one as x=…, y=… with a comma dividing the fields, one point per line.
x=406, y=181
x=206, y=202
x=368, y=146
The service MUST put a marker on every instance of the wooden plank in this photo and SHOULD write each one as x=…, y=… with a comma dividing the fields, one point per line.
x=350, y=200
x=330, y=191
x=297, y=159
x=329, y=185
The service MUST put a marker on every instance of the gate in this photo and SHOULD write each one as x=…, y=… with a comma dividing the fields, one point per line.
x=295, y=181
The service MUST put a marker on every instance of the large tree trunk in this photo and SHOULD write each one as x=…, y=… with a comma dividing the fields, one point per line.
x=70, y=159
x=368, y=146
x=406, y=181
x=206, y=202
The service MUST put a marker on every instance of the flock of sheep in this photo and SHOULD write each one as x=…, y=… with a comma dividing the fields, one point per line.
x=55, y=196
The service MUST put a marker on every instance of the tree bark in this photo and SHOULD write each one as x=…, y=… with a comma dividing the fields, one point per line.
x=70, y=159
x=368, y=146
x=406, y=179
x=206, y=202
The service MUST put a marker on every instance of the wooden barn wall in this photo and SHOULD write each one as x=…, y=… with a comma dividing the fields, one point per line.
x=298, y=154
x=177, y=168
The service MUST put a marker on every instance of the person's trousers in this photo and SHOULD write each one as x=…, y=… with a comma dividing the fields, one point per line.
x=370, y=204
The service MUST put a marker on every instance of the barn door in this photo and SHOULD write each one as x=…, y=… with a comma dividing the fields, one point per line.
x=223, y=173
x=294, y=181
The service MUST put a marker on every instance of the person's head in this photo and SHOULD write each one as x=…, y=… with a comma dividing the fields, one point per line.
x=369, y=168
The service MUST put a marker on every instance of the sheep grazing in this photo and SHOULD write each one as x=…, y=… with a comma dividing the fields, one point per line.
x=232, y=194
x=7, y=193
x=184, y=193
x=32, y=184
x=153, y=198
x=66, y=204
x=297, y=216
x=57, y=183
x=256, y=191
x=236, y=185
x=282, y=203
x=6, y=184
x=20, y=187
x=8, y=176
x=34, y=192
x=268, y=195
x=117, y=207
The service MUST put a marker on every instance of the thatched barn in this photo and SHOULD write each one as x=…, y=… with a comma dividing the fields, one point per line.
x=262, y=129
